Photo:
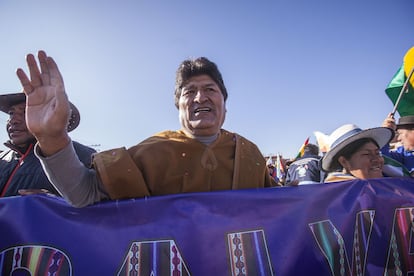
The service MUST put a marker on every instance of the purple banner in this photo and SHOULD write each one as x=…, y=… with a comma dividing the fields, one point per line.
x=347, y=228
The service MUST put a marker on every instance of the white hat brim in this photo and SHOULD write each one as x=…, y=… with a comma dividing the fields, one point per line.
x=381, y=135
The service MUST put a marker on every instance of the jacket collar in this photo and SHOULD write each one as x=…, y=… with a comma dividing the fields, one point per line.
x=17, y=149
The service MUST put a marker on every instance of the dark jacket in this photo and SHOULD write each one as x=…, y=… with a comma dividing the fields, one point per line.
x=20, y=169
x=305, y=170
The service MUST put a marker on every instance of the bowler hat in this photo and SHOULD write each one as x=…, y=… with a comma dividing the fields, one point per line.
x=8, y=100
x=345, y=135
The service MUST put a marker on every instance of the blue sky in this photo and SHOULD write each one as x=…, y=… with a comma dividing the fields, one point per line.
x=291, y=67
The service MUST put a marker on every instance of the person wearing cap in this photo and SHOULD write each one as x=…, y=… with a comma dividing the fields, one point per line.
x=404, y=151
x=201, y=156
x=355, y=153
x=20, y=169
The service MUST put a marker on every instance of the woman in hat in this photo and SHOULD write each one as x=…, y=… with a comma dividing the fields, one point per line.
x=355, y=153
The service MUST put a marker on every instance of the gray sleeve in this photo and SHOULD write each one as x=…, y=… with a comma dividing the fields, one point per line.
x=78, y=184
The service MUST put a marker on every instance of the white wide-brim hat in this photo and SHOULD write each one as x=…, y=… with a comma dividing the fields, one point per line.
x=345, y=135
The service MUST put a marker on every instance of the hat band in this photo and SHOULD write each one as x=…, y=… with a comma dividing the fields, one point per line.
x=406, y=126
x=344, y=136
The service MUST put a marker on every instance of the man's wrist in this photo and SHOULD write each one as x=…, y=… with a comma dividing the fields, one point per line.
x=50, y=146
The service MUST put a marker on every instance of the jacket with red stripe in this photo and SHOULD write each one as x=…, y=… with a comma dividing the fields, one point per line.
x=21, y=169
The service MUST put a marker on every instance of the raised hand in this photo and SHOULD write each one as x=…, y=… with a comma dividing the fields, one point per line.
x=47, y=105
x=389, y=122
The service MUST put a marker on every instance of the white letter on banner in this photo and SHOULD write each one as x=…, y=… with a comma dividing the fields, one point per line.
x=332, y=244
x=400, y=259
x=249, y=254
x=154, y=258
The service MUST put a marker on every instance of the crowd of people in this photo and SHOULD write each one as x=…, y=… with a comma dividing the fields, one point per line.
x=355, y=153
x=201, y=155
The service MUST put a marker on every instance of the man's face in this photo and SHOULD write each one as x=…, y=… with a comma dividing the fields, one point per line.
x=201, y=107
x=406, y=137
x=16, y=126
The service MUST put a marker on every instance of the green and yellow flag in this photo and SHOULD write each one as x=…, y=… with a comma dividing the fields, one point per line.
x=394, y=168
x=302, y=149
x=403, y=77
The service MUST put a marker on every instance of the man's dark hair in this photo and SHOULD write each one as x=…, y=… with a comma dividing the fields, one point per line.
x=311, y=149
x=195, y=67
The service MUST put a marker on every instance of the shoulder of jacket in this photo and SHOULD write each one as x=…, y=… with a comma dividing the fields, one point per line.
x=79, y=146
x=5, y=152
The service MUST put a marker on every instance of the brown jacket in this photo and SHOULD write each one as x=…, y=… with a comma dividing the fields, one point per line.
x=170, y=162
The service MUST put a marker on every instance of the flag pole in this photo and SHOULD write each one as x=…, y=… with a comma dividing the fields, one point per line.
x=403, y=89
